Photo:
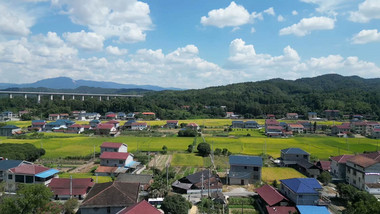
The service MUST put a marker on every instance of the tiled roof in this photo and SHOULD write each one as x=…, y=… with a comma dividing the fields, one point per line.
x=302, y=185
x=294, y=151
x=270, y=195
x=192, y=125
x=325, y=165
x=7, y=164
x=29, y=169
x=111, y=145
x=296, y=126
x=172, y=121
x=271, y=122
x=9, y=127
x=373, y=155
x=274, y=127
x=112, y=194
x=341, y=158
x=104, y=126
x=76, y=126
x=362, y=160
x=113, y=122
x=61, y=186
x=106, y=169
x=114, y=155
x=148, y=113
x=281, y=210
x=139, y=124
x=142, y=207
x=111, y=115
x=53, y=115
x=292, y=114
x=245, y=160
x=38, y=123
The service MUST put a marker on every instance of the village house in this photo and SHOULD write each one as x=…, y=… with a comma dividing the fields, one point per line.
x=324, y=165
x=341, y=129
x=8, y=164
x=115, y=123
x=20, y=113
x=75, y=128
x=141, y=207
x=364, y=169
x=9, y=130
x=130, y=116
x=291, y=116
x=229, y=114
x=115, y=159
x=296, y=128
x=53, y=117
x=193, y=126
x=28, y=173
x=64, y=116
x=290, y=156
x=193, y=183
x=66, y=188
x=274, y=131
x=338, y=166
x=371, y=125
x=121, y=116
x=312, y=115
x=307, y=168
x=128, y=124
x=75, y=114
x=251, y=124
x=58, y=124
x=271, y=116
x=237, y=124
x=271, y=122
x=307, y=126
x=271, y=201
x=244, y=169
x=89, y=116
x=139, y=126
x=171, y=124
x=113, y=147
x=111, y=116
x=144, y=180
x=359, y=127
x=106, y=129
x=301, y=191
x=310, y=209
x=6, y=115
x=375, y=132
x=149, y=115
x=110, y=198
x=38, y=125
x=94, y=123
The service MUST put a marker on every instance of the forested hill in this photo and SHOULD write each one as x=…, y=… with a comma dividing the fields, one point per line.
x=350, y=95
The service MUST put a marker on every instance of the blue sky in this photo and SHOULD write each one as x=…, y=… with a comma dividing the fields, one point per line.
x=189, y=43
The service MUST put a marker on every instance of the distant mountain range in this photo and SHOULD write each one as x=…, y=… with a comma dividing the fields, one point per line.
x=68, y=83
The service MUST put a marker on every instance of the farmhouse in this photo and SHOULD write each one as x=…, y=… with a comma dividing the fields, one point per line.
x=324, y=165
x=237, y=124
x=307, y=209
x=115, y=123
x=65, y=188
x=193, y=126
x=38, y=125
x=244, y=169
x=106, y=129
x=312, y=115
x=376, y=133
x=338, y=166
x=8, y=164
x=251, y=125
x=193, y=183
x=94, y=123
x=54, y=117
x=6, y=115
x=292, y=116
x=110, y=197
x=291, y=156
x=139, y=126
x=172, y=124
x=9, y=130
x=75, y=128
x=144, y=180
x=64, y=116
x=301, y=191
x=307, y=168
x=113, y=147
x=272, y=201
x=344, y=128
x=271, y=122
x=296, y=128
x=273, y=131
x=116, y=159
x=28, y=173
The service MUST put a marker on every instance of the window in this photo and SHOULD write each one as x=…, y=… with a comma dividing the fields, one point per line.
x=29, y=179
x=10, y=177
x=305, y=156
x=255, y=169
x=108, y=209
x=245, y=167
x=120, y=161
x=20, y=178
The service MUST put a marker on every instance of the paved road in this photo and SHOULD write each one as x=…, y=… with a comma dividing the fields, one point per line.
x=239, y=192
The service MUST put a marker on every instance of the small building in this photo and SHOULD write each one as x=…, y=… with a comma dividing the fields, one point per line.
x=115, y=123
x=332, y=114
x=130, y=116
x=65, y=188
x=271, y=116
x=115, y=159
x=312, y=115
x=144, y=180
x=75, y=128
x=141, y=207
x=192, y=126
x=110, y=198
x=113, y=147
x=193, y=183
x=20, y=113
x=237, y=124
x=344, y=128
x=6, y=115
x=111, y=116
x=271, y=122
x=9, y=130
x=251, y=124
x=8, y=164
x=229, y=114
x=244, y=169
x=121, y=116
x=273, y=131
x=94, y=123
x=290, y=156
x=139, y=126
x=296, y=128
x=38, y=125
x=106, y=129
x=301, y=191
x=172, y=124
x=270, y=196
x=53, y=117
x=64, y=116
x=28, y=173
x=338, y=166
x=308, y=169
x=291, y=116
x=375, y=133
x=324, y=165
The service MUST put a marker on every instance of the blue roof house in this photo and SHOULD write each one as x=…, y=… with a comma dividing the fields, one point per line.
x=306, y=209
x=244, y=169
x=302, y=191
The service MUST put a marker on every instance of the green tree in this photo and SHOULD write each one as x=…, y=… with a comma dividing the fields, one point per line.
x=217, y=151
x=275, y=184
x=164, y=149
x=30, y=198
x=175, y=204
x=325, y=177
x=204, y=149
x=70, y=205
x=189, y=148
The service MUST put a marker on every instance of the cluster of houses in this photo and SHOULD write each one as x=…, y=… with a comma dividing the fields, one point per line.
x=365, y=128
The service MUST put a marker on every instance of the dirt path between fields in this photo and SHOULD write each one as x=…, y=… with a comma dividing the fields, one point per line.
x=84, y=168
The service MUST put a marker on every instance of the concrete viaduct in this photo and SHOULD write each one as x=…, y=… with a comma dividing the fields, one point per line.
x=63, y=95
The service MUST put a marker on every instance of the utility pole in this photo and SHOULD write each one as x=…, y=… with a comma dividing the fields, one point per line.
x=209, y=182
x=202, y=185
x=167, y=177
x=71, y=186
x=94, y=152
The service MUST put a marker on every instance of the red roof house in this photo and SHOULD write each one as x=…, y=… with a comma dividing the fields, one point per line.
x=270, y=195
x=79, y=187
x=114, y=155
x=141, y=207
x=113, y=147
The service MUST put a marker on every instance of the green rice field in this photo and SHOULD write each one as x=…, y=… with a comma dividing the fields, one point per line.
x=97, y=179
x=269, y=174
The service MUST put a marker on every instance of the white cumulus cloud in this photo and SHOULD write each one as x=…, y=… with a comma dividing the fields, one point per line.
x=280, y=18
x=366, y=36
x=368, y=10
x=14, y=20
x=328, y=6
x=116, y=50
x=126, y=20
x=88, y=41
x=270, y=11
x=306, y=25
x=294, y=13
